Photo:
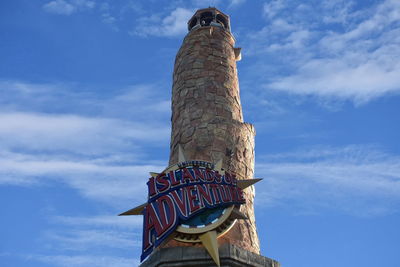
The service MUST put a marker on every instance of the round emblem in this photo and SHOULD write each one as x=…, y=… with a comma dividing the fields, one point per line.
x=191, y=201
x=218, y=219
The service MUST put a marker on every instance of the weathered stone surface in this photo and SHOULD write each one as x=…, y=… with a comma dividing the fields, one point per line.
x=207, y=119
x=230, y=256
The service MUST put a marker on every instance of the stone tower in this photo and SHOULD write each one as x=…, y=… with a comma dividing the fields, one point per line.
x=207, y=123
x=207, y=119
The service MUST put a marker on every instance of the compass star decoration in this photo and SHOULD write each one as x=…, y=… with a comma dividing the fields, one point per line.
x=210, y=222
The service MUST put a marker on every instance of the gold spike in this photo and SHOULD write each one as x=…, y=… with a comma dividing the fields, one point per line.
x=237, y=214
x=154, y=174
x=135, y=211
x=218, y=165
x=242, y=184
x=181, y=155
x=209, y=240
x=238, y=54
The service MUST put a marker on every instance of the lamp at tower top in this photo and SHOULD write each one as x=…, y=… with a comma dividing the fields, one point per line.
x=209, y=17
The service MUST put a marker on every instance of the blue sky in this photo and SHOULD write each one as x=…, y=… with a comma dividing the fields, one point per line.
x=85, y=91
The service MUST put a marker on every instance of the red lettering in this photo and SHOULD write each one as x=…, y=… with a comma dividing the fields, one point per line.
x=241, y=195
x=186, y=175
x=192, y=198
x=204, y=194
x=237, y=194
x=218, y=177
x=228, y=192
x=214, y=188
x=225, y=194
x=162, y=180
x=210, y=175
x=234, y=193
x=151, y=222
x=199, y=173
x=180, y=201
x=167, y=213
x=152, y=187
x=228, y=178
x=172, y=177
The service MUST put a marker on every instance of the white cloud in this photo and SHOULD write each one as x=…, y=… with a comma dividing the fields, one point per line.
x=110, y=20
x=353, y=57
x=339, y=11
x=52, y=134
x=84, y=3
x=272, y=8
x=339, y=78
x=360, y=180
x=83, y=238
x=109, y=221
x=295, y=40
x=73, y=133
x=152, y=105
x=174, y=24
x=85, y=260
x=59, y=7
x=63, y=7
x=89, y=239
x=110, y=182
x=100, y=151
x=235, y=3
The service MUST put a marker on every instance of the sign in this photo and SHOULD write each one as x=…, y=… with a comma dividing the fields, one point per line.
x=192, y=201
x=180, y=194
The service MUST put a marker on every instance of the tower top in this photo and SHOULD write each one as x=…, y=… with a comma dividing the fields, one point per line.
x=209, y=17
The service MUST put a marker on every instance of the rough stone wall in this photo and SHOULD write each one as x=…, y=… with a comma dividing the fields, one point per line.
x=229, y=255
x=207, y=118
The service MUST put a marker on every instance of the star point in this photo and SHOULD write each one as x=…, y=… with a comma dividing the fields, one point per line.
x=209, y=241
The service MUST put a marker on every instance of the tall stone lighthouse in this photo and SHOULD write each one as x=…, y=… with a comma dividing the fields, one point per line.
x=200, y=209
x=207, y=119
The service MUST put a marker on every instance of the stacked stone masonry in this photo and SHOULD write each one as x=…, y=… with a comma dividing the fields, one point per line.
x=207, y=118
x=230, y=256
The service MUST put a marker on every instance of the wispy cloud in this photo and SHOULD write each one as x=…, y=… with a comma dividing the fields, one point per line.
x=331, y=50
x=85, y=260
x=107, y=17
x=109, y=182
x=64, y=135
x=109, y=221
x=96, y=148
x=236, y=3
x=70, y=98
x=360, y=180
x=64, y=7
x=89, y=135
x=106, y=240
x=272, y=8
x=89, y=240
x=82, y=239
x=60, y=7
x=173, y=24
